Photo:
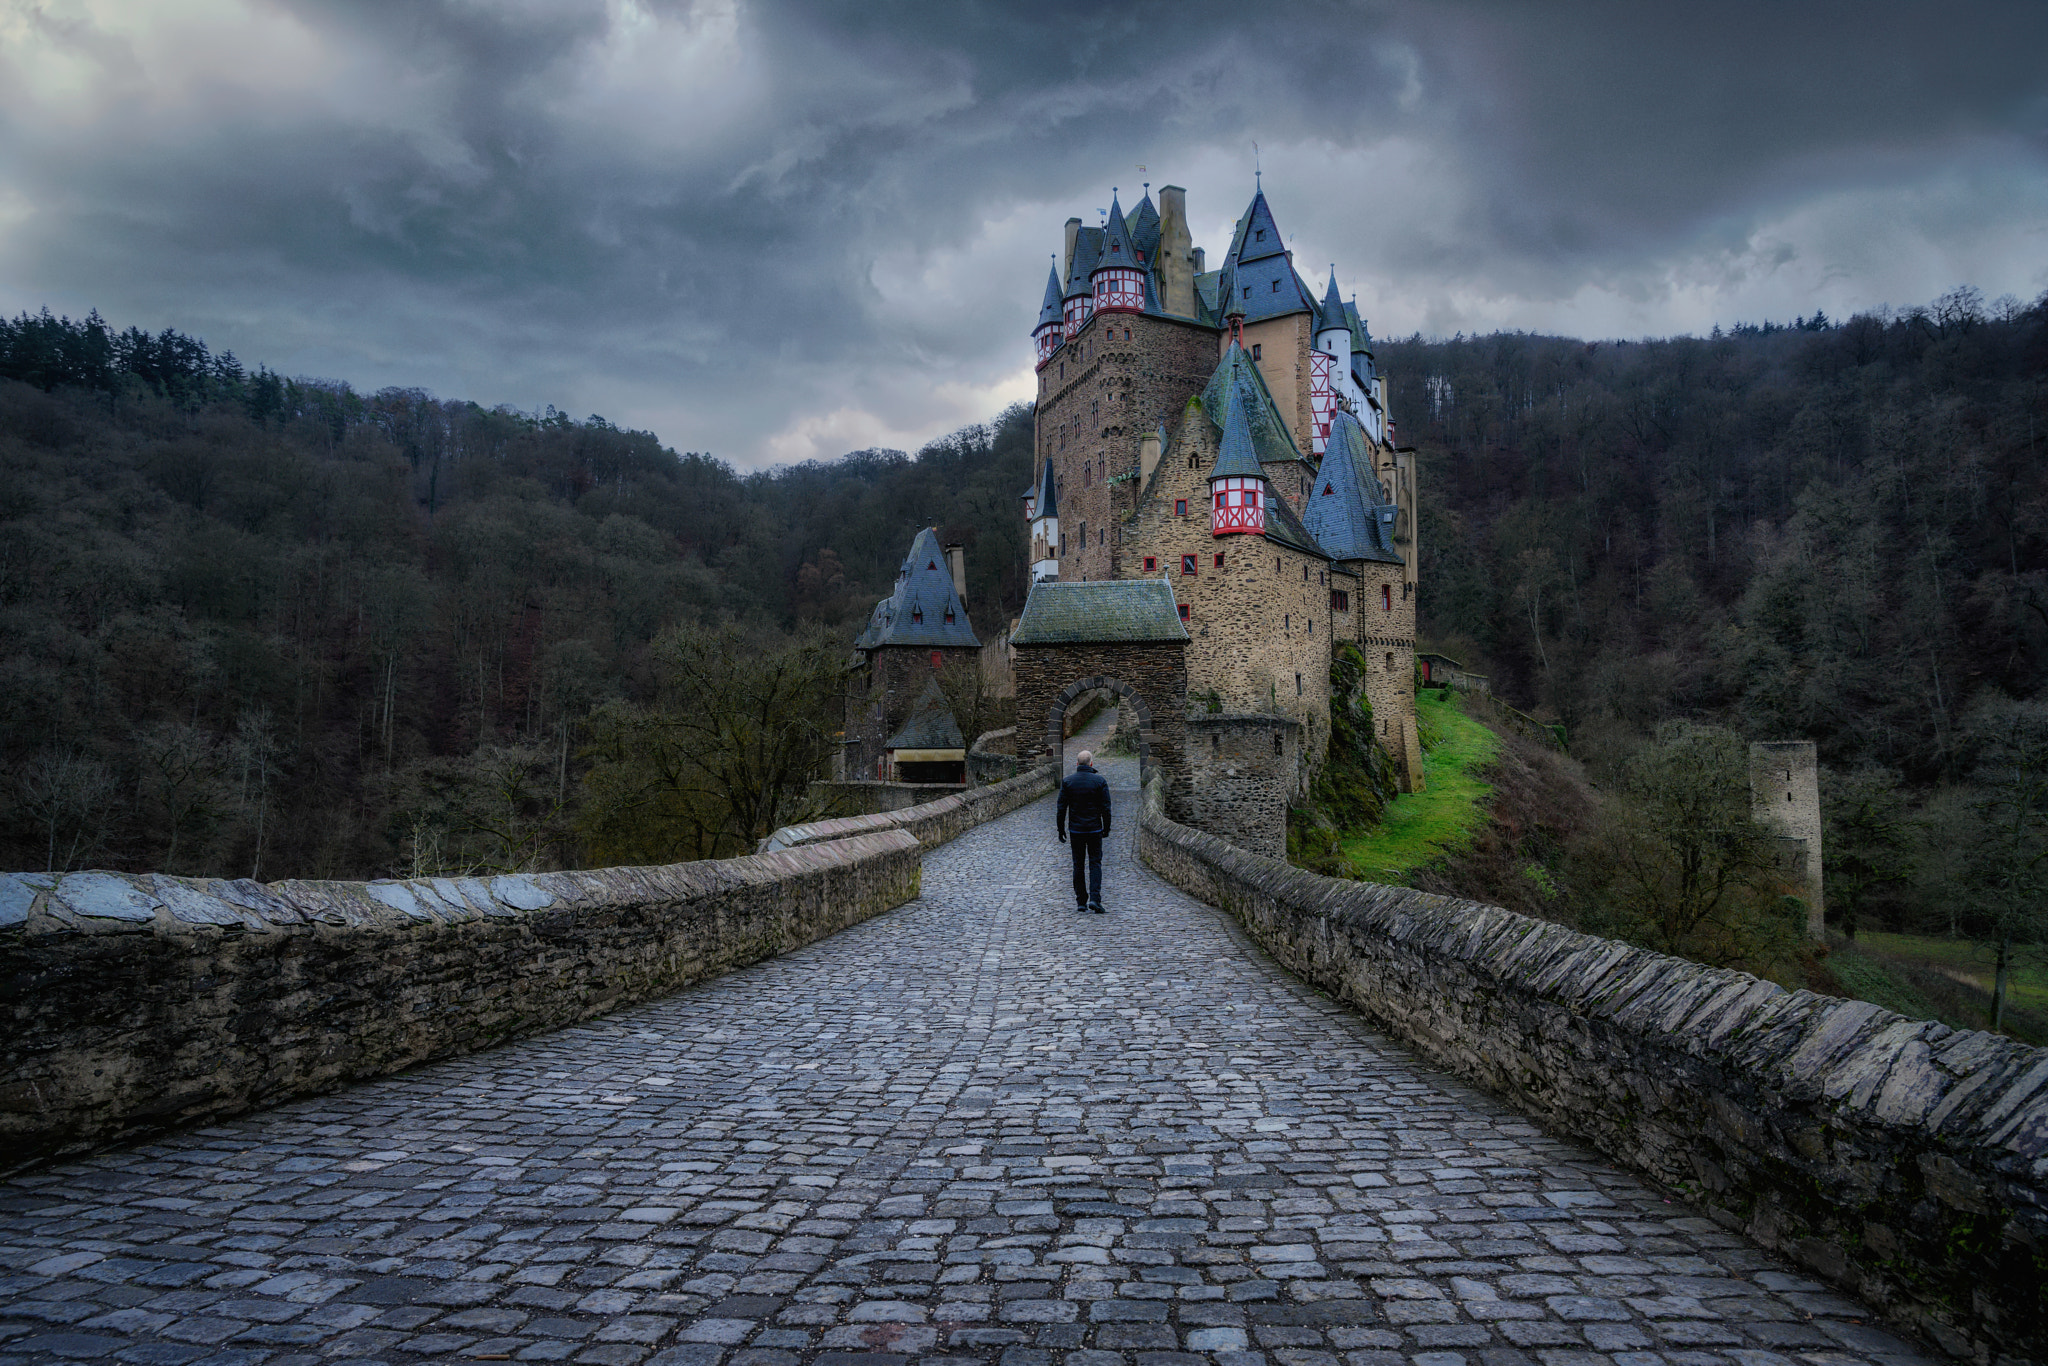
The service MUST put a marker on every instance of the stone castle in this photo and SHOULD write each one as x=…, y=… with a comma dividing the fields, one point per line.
x=1218, y=503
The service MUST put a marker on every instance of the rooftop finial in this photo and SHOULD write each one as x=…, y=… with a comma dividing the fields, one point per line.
x=1258, y=181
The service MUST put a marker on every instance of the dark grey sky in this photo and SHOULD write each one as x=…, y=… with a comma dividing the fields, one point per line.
x=782, y=230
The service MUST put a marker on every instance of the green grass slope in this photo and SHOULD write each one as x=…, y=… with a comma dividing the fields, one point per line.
x=1419, y=828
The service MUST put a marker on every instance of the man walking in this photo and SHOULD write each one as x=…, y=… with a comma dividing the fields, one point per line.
x=1083, y=812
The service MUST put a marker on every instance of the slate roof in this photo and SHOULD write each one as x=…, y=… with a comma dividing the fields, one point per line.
x=1144, y=228
x=1115, y=251
x=1087, y=247
x=1237, y=379
x=1235, y=458
x=1049, y=311
x=1333, y=312
x=930, y=724
x=1047, y=504
x=1105, y=612
x=1347, y=511
x=915, y=614
x=1246, y=244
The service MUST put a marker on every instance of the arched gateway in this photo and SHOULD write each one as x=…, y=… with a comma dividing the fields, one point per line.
x=1121, y=634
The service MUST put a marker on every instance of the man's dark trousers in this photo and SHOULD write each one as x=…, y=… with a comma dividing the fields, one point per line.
x=1087, y=851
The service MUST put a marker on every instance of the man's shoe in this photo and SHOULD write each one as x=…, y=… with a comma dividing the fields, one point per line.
x=1098, y=908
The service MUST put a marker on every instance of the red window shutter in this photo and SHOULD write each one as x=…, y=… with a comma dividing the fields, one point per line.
x=935, y=659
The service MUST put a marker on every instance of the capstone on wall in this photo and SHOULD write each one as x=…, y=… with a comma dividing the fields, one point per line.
x=138, y=1002
x=1903, y=1160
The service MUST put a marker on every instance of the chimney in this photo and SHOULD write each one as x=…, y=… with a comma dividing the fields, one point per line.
x=956, y=560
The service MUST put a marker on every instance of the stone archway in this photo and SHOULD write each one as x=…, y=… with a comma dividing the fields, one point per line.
x=1149, y=678
x=1126, y=695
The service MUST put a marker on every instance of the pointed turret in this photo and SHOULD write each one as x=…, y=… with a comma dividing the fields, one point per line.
x=1145, y=231
x=1045, y=527
x=1118, y=278
x=1261, y=236
x=1078, y=300
x=1237, y=485
x=1051, y=329
x=1335, y=316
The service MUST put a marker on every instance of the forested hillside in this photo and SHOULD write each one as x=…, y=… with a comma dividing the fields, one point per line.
x=262, y=626
x=1833, y=532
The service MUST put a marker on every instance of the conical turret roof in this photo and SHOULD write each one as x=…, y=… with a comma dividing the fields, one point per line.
x=1347, y=511
x=1335, y=315
x=1116, y=249
x=1049, y=311
x=1260, y=236
x=1047, y=503
x=1144, y=228
x=1236, y=458
x=1087, y=246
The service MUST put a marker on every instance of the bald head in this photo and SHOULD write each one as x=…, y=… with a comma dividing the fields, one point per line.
x=1085, y=757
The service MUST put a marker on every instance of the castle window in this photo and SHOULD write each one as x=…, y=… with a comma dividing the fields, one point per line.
x=1386, y=597
x=1151, y=563
x=1276, y=286
x=1258, y=350
x=1180, y=505
x=1261, y=235
x=1219, y=559
x=1390, y=661
x=936, y=661
x=1304, y=573
x=917, y=616
x=1247, y=291
x=1276, y=742
x=1183, y=611
x=1340, y=601
x=1286, y=620
x=949, y=616
x=1311, y=625
x=1187, y=564
x=1328, y=489
x=1194, y=462
x=1297, y=685
x=1087, y=474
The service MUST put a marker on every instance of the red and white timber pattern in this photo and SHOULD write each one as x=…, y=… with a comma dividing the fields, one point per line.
x=1322, y=396
x=1239, y=506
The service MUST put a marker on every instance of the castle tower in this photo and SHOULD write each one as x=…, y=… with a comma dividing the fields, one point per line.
x=1118, y=277
x=1051, y=329
x=1044, y=512
x=1238, y=495
x=1329, y=364
x=1078, y=300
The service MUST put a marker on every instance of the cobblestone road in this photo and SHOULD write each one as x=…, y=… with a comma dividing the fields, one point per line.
x=983, y=1127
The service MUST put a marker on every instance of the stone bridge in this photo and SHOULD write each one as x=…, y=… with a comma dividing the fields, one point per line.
x=982, y=1127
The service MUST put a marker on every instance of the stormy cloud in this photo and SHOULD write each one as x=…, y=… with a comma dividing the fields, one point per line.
x=777, y=231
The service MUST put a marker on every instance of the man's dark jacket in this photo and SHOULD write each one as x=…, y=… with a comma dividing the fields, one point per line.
x=1084, y=804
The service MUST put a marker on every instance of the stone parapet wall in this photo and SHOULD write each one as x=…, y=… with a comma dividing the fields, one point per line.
x=860, y=798
x=1901, y=1159
x=930, y=824
x=133, y=1003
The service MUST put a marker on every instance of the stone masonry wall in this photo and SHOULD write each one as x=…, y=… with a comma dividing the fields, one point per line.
x=1097, y=395
x=132, y=1003
x=1901, y=1159
x=1242, y=771
x=1150, y=679
x=930, y=823
x=1386, y=636
x=1261, y=620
